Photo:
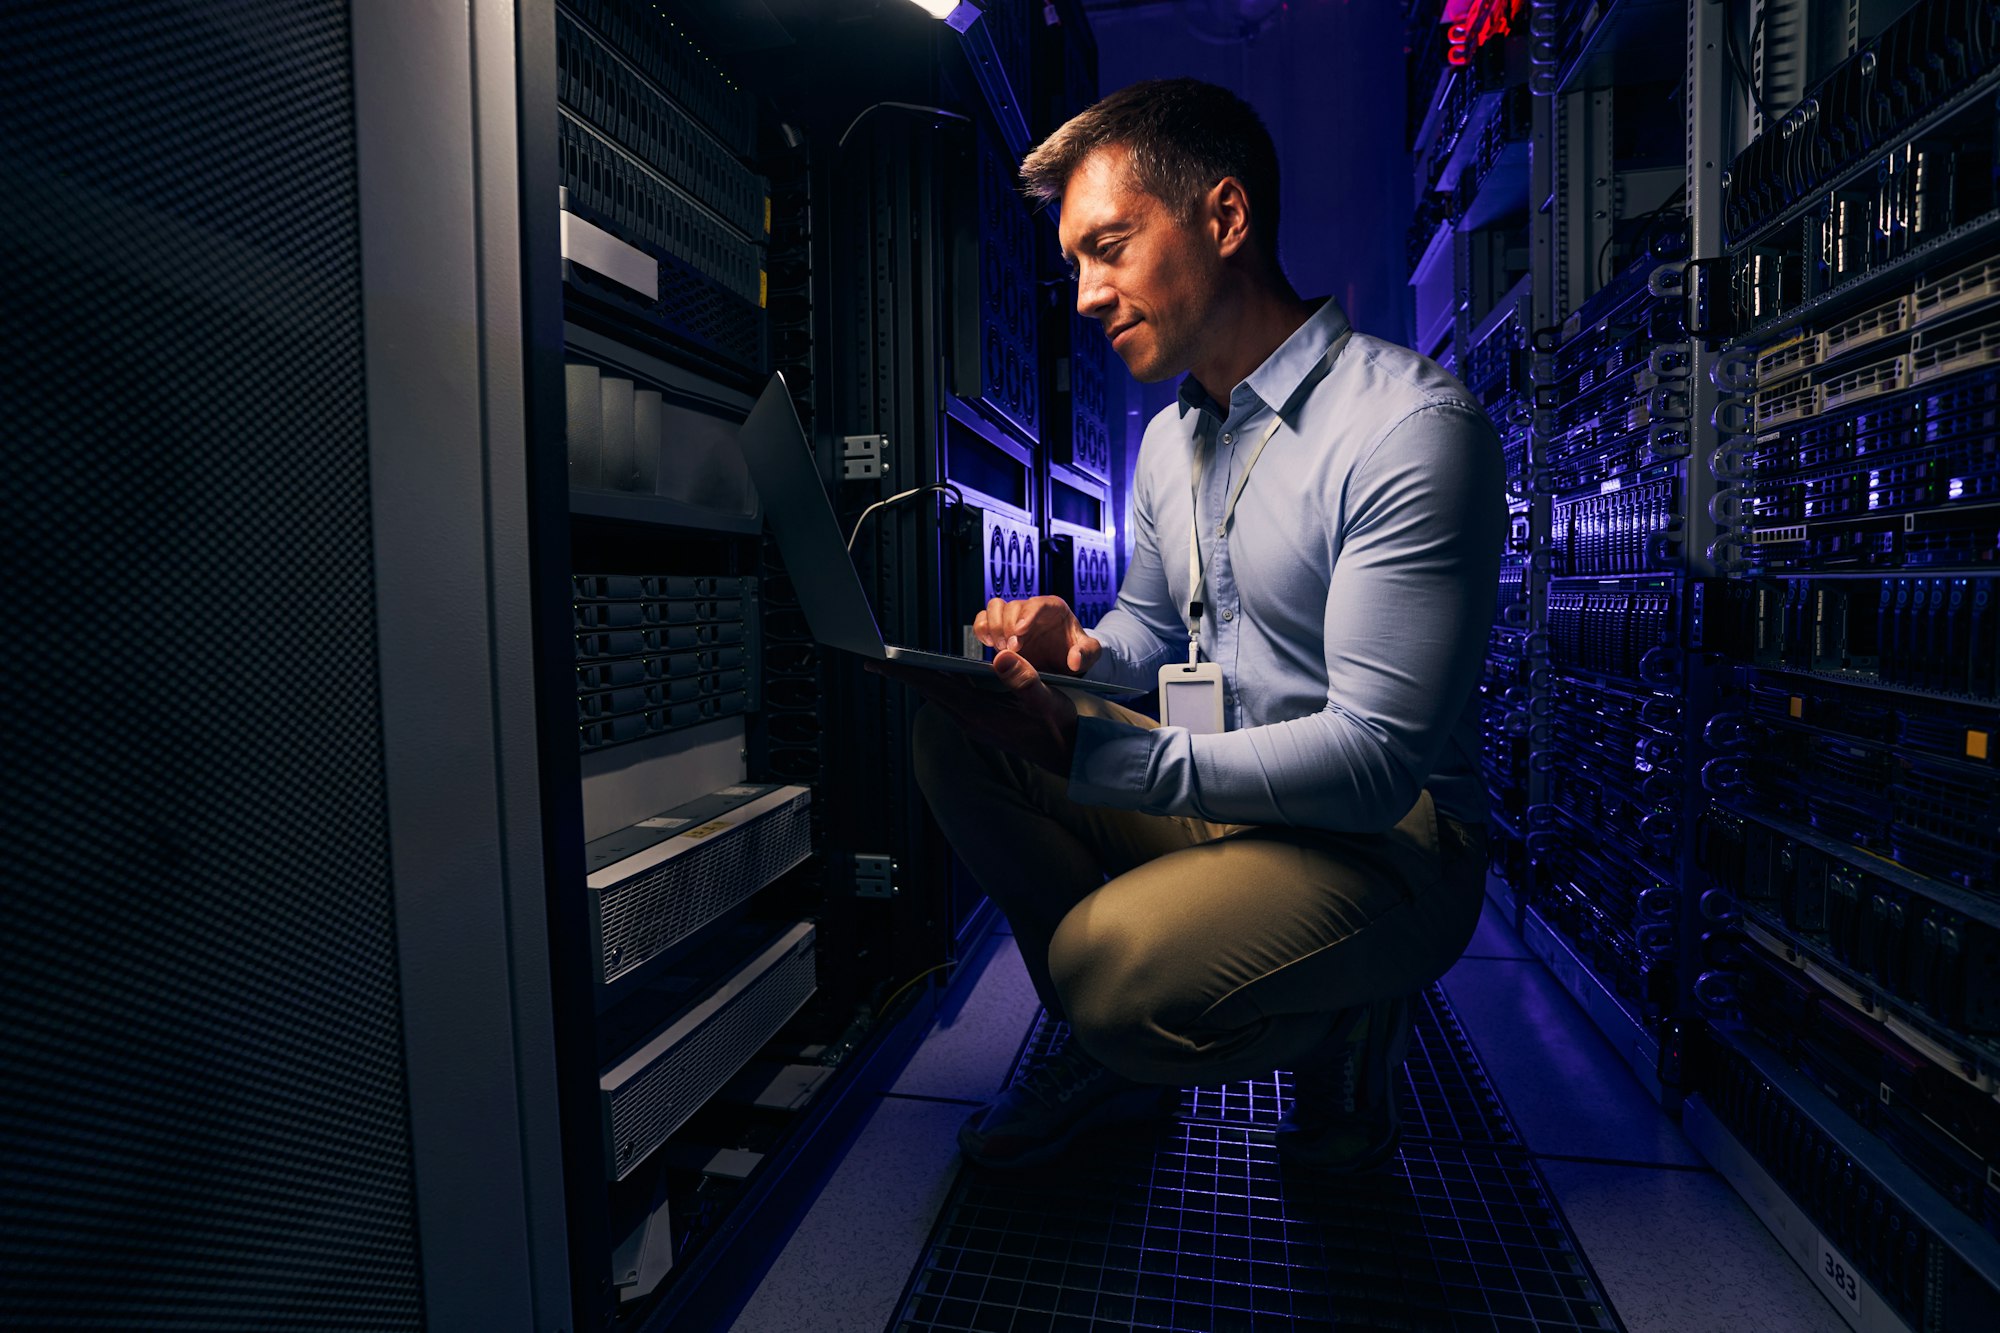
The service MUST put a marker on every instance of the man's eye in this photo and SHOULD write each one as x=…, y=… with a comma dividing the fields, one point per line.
x=1109, y=249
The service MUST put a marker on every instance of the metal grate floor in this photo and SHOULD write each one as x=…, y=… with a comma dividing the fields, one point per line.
x=1197, y=1229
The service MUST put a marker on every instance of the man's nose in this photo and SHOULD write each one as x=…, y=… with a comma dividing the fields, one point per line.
x=1095, y=298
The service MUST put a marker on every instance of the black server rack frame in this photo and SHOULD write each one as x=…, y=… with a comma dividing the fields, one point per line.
x=1781, y=451
x=614, y=537
x=1844, y=906
x=874, y=363
x=889, y=381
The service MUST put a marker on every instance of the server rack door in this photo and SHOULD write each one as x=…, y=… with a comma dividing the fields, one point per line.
x=265, y=1046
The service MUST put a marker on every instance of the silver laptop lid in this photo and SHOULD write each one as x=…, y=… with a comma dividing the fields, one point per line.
x=802, y=519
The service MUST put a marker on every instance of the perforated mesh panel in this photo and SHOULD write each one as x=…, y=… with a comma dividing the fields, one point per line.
x=652, y=912
x=203, y=1118
x=657, y=1100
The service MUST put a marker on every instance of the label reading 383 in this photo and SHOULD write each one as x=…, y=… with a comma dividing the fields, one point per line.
x=1835, y=1272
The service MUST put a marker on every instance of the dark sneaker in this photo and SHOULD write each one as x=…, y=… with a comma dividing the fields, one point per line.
x=1064, y=1096
x=1345, y=1115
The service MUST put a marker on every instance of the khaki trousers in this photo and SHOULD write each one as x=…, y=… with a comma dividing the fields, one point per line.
x=1182, y=951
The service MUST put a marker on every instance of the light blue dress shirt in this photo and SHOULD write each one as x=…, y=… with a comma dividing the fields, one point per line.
x=1348, y=602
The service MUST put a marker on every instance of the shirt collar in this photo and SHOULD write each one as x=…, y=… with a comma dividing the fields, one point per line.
x=1283, y=371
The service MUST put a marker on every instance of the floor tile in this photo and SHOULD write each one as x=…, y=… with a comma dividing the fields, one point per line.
x=1567, y=1090
x=1673, y=1249
x=971, y=1047
x=844, y=1268
x=1678, y=1252
x=1495, y=937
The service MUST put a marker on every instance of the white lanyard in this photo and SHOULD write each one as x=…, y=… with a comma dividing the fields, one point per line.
x=1197, y=577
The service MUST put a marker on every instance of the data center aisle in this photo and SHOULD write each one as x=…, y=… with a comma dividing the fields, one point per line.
x=1540, y=1188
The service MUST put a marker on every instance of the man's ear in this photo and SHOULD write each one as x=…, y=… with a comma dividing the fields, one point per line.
x=1228, y=206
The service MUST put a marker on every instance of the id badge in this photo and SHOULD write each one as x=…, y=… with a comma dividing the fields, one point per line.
x=1191, y=697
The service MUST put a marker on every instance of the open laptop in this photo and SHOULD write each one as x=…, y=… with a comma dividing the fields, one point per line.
x=802, y=519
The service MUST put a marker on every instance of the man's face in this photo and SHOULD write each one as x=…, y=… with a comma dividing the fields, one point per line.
x=1149, y=277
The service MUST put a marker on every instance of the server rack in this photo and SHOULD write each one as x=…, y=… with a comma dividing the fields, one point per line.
x=277, y=1000
x=752, y=894
x=951, y=375
x=691, y=913
x=1753, y=658
x=1469, y=122
x=1846, y=461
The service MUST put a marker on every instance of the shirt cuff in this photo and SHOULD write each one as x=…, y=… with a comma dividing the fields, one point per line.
x=1111, y=763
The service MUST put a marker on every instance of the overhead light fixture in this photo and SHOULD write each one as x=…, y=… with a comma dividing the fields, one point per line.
x=959, y=14
x=962, y=16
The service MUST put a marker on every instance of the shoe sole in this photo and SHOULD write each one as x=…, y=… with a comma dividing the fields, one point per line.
x=1097, y=1119
x=1292, y=1148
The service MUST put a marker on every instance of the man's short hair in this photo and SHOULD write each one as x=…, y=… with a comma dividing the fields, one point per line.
x=1184, y=136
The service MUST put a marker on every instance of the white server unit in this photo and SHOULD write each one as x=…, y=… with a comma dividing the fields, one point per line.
x=652, y=1092
x=666, y=877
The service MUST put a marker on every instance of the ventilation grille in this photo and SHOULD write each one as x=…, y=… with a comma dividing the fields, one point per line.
x=656, y=909
x=1966, y=287
x=1011, y=565
x=654, y=1093
x=1093, y=586
x=205, y=1121
x=1884, y=321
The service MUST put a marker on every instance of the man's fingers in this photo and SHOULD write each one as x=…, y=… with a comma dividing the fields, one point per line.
x=1016, y=671
x=1035, y=625
x=1020, y=619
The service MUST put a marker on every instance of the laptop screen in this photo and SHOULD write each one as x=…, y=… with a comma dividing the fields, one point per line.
x=803, y=522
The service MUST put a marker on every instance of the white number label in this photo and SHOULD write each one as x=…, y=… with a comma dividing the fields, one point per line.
x=1837, y=1273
